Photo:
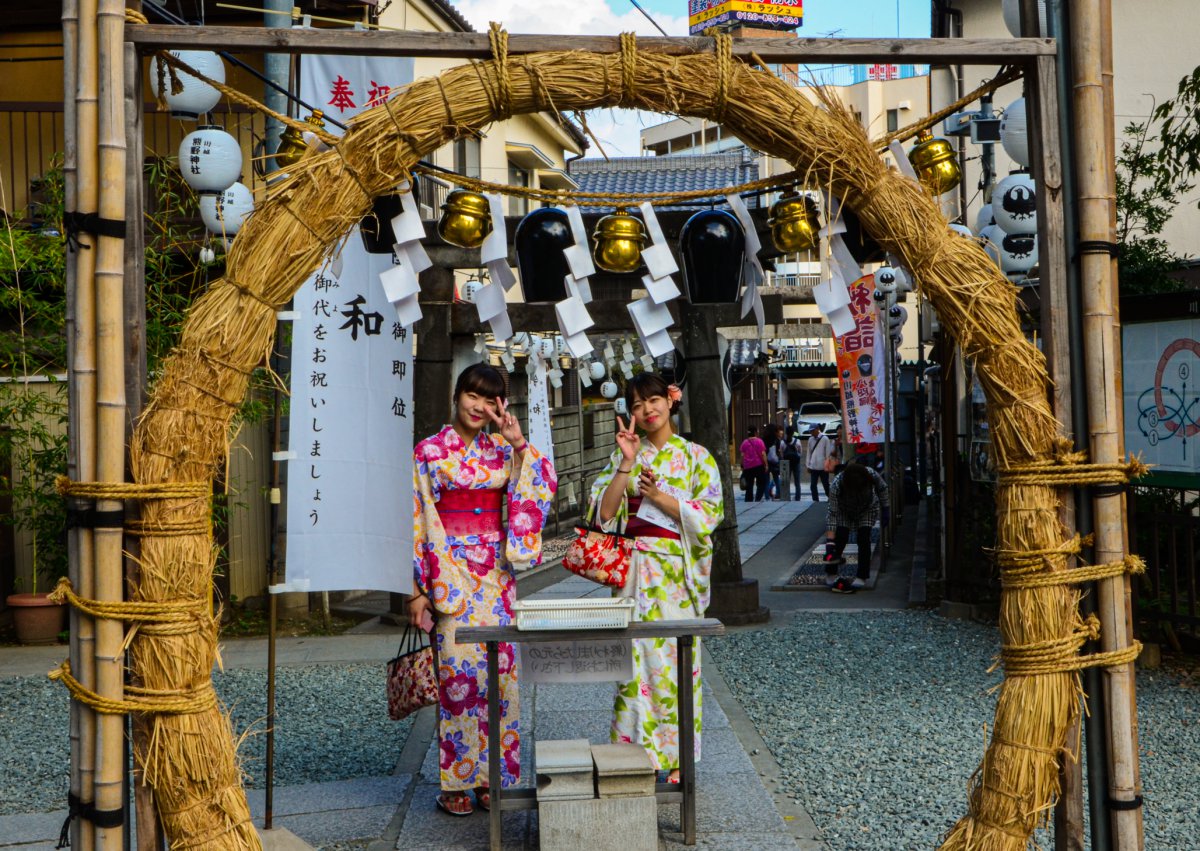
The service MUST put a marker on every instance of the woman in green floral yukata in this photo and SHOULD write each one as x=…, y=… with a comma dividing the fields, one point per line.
x=666, y=493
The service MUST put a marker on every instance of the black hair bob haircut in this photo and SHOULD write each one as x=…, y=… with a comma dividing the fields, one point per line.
x=646, y=385
x=481, y=378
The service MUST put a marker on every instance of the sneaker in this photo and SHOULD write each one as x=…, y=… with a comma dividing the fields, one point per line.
x=842, y=586
x=830, y=579
x=858, y=583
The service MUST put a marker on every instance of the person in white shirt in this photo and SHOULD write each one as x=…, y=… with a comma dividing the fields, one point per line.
x=820, y=450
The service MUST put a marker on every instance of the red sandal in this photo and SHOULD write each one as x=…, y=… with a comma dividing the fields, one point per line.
x=457, y=804
x=483, y=798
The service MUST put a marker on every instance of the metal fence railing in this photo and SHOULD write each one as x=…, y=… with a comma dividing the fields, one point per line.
x=1164, y=529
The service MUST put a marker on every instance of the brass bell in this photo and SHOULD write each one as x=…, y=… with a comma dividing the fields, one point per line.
x=292, y=142
x=619, y=241
x=936, y=163
x=466, y=219
x=794, y=223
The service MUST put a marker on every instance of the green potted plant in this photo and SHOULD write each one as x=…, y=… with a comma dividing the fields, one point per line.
x=33, y=410
x=34, y=441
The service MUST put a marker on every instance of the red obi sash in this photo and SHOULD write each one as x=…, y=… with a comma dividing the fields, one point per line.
x=636, y=527
x=473, y=511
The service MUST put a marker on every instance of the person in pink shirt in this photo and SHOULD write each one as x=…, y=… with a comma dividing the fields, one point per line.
x=754, y=465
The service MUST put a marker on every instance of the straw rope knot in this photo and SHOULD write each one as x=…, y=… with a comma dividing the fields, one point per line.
x=131, y=611
x=498, y=40
x=628, y=68
x=724, y=51
x=133, y=16
x=1069, y=469
x=131, y=490
x=139, y=700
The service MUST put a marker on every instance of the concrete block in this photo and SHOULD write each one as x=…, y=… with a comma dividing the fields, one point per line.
x=602, y=824
x=623, y=771
x=564, y=770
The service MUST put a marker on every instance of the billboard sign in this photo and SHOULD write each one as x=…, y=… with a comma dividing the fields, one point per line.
x=1161, y=398
x=780, y=14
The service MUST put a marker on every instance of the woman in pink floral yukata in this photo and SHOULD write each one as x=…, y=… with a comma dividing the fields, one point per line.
x=464, y=563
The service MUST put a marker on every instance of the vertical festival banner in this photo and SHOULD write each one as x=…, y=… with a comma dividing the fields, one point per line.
x=350, y=436
x=860, y=364
x=540, y=434
x=349, y=500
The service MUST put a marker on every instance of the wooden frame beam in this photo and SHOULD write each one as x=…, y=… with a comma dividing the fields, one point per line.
x=935, y=51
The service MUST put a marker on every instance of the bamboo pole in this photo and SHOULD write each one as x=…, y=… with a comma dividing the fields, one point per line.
x=110, y=413
x=70, y=36
x=84, y=374
x=1090, y=22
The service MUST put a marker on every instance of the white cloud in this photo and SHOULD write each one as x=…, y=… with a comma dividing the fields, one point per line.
x=617, y=129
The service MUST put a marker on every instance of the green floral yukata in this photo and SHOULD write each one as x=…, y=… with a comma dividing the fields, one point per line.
x=669, y=580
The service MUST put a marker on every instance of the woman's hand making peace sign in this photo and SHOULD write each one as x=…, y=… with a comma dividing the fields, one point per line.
x=627, y=439
x=510, y=427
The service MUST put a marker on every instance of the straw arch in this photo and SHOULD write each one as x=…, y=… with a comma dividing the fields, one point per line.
x=183, y=433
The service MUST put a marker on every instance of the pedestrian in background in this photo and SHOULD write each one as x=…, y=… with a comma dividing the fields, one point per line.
x=794, y=454
x=858, y=499
x=754, y=465
x=819, y=460
x=772, y=439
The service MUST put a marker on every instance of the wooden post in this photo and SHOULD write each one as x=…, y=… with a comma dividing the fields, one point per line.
x=83, y=377
x=1090, y=22
x=734, y=597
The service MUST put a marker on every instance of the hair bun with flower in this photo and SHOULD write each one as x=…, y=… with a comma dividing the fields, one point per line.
x=674, y=393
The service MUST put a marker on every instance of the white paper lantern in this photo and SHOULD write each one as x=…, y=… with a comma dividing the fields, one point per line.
x=197, y=97
x=546, y=347
x=223, y=214
x=210, y=159
x=207, y=255
x=1018, y=254
x=886, y=279
x=560, y=346
x=962, y=230
x=984, y=219
x=469, y=290
x=1014, y=133
x=596, y=370
x=620, y=407
x=1014, y=204
x=1012, y=17
x=521, y=340
x=609, y=389
x=991, y=237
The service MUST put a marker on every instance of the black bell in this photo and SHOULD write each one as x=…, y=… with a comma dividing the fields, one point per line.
x=376, y=227
x=713, y=246
x=540, y=239
x=862, y=247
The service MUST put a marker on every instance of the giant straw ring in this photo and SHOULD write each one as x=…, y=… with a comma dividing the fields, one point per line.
x=182, y=435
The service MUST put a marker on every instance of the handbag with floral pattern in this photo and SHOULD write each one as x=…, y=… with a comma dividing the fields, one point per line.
x=411, y=676
x=599, y=556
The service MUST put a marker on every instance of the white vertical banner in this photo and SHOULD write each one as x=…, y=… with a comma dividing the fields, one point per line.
x=540, y=434
x=349, y=506
x=343, y=86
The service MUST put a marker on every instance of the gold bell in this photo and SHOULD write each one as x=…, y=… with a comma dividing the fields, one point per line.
x=292, y=144
x=466, y=219
x=936, y=163
x=794, y=223
x=619, y=242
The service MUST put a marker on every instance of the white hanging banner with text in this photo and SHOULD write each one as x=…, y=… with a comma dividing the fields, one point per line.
x=343, y=86
x=540, y=435
x=349, y=500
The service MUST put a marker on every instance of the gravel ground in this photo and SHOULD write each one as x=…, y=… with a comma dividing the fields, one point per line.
x=877, y=720
x=332, y=724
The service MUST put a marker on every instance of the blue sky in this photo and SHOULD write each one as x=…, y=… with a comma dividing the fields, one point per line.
x=618, y=129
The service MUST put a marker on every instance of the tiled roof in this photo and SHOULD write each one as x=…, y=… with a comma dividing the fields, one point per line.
x=665, y=174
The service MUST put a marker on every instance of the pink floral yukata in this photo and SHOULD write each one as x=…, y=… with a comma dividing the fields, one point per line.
x=470, y=579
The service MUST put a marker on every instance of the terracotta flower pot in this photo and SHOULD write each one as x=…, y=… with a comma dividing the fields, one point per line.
x=36, y=619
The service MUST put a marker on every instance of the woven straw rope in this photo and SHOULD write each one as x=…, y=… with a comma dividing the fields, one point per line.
x=143, y=700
